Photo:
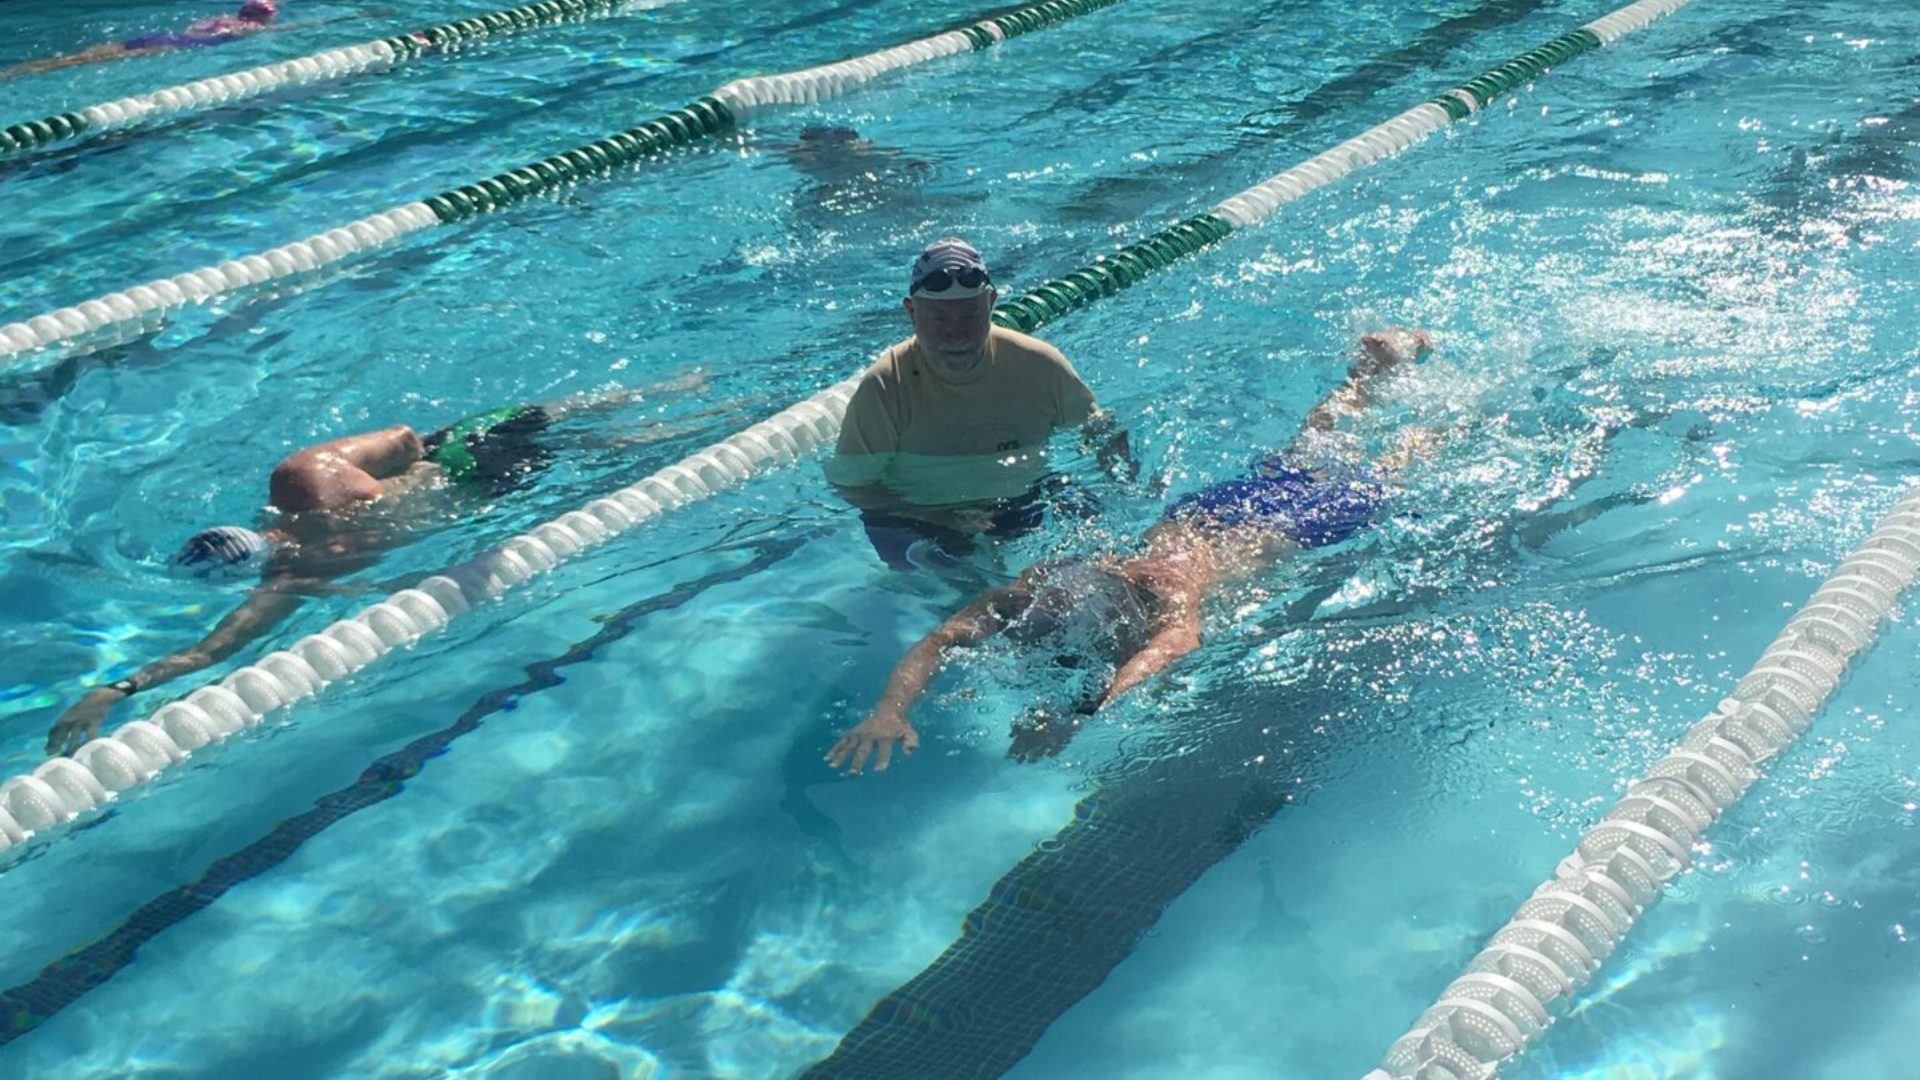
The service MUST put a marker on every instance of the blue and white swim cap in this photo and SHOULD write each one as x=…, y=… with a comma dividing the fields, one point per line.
x=949, y=269
x=224, y=551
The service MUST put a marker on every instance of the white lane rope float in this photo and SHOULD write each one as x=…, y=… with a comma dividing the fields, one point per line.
x=337, y=63
x=1566, y=929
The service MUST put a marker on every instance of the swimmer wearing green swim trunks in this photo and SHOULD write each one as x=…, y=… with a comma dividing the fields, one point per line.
x=493, y=450
x=334, y=509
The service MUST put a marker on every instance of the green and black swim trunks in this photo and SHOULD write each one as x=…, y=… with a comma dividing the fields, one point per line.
x=494, y=451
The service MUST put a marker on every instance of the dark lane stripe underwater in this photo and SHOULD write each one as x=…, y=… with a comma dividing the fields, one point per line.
x=1168, y=189
x=1056, y=925
x=28, y=1005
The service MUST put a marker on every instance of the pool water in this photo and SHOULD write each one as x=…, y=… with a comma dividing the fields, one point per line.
x=586, y=831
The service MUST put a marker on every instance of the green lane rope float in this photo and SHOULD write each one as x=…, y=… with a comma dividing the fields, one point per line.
x=319, y=67
x=1119, y=269
x=65, y=788
x=717, y=112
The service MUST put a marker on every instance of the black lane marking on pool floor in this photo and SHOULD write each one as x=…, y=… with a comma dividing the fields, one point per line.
x=28, y=1005
x=1062, y=919
x=1054, y=927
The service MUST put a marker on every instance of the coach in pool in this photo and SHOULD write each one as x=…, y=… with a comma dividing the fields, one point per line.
x=946, y=436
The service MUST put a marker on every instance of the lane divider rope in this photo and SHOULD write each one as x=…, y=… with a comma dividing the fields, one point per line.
x=707, y=116
x=137, y=751
x=318, y=67
x=63, y=788
x=1122, y=268
x=1568, y=926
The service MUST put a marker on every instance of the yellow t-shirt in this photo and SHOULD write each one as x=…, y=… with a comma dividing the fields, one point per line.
x=937, y=439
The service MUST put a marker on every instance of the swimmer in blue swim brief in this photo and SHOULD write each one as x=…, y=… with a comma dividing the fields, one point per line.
x=1134, y=615
x=253, y=17
x=335, y=508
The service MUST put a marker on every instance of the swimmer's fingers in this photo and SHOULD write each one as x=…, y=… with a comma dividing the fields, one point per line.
x=79, y=724
x=68, y=736
x=909, y=740
x=856, y=747
x=842, y=750
x=850, y=754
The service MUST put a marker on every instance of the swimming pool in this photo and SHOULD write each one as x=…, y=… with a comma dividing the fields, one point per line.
x=635, y=857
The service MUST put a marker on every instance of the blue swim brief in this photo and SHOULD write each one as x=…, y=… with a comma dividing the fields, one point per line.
x=1312, y=510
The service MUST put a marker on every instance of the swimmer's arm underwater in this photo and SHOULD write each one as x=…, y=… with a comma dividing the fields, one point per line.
x=263, y=609
x=887, y=724
x=1177, y=637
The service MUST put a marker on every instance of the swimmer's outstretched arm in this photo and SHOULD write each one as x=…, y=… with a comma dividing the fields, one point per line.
x=1380, y=354
x=98, y=54
x=887, y=724
x=263, y=609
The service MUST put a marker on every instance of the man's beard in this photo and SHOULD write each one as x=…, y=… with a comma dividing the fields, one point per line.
x=957, y=363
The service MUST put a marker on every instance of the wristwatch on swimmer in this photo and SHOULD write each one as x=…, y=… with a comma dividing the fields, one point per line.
x=127, y=687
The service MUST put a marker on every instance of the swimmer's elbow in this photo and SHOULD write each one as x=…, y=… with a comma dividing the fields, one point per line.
x=297, y=483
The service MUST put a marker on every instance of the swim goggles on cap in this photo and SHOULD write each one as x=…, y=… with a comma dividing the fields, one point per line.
x=940, y=281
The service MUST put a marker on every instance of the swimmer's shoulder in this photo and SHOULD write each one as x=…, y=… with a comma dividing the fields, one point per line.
x=884, y=388
x=1013, y=347
x=1024, y=352
x=891, y=373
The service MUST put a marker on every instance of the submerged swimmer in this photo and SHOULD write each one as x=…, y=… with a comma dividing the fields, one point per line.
x=835, y=154
x=848, y=175
x=1137, y=614
x=336, y=507
x=253, y=17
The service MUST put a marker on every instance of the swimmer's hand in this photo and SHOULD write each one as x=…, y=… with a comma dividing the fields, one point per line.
x=1384, y=351
x=81, y=722
x=877, y=733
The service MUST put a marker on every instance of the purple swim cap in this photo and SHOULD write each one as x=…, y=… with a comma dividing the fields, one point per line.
x=259, y=10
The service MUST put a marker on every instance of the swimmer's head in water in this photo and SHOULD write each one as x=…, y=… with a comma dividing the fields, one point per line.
x=1084, y=609
x=825, y=135
x=223, y=552
x=259, y=11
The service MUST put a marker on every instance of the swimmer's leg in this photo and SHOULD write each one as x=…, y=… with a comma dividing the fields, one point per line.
x=98, y=54
x=597, y=401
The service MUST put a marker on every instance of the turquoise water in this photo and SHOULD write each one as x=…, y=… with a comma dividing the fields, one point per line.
x=635, y=861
